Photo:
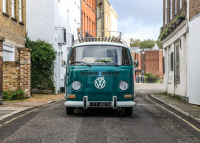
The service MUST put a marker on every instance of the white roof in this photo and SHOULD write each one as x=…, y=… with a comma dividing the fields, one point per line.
x=155, y=47
x=99, y=43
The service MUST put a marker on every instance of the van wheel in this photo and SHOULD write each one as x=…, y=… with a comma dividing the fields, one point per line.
x=129, y=111
x=69, y=111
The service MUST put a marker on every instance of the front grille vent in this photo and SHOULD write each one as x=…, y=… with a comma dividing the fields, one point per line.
x=99, y=73
x=110, y=73
x=89, y=73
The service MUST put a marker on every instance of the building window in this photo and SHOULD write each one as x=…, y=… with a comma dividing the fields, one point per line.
x=165, y=12
x=170, y=63
x=13, y=8
x=177, y=63
x=20, y=10
x=180, y=4
x=106, y=20
x=171, y=9
x=175, y=7
x=4, y=6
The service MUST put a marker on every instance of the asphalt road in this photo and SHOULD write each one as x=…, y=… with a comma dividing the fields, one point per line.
x=150, y=123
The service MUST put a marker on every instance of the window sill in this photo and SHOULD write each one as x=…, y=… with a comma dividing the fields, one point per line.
x=21, y=23
x=5, y=14
x=14, y=19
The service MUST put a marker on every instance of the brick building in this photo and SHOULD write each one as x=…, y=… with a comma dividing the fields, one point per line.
x=103, y=18
x=88, y=17
x=12, y=46
x=150, y=61
x=181, y=19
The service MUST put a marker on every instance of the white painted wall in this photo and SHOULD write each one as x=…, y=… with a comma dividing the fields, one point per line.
x=114, y=17
x=40, y=20
x=44, y=18
x=193, y=62
x=169, y=45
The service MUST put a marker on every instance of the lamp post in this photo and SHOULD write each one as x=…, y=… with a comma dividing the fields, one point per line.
x=143, y=52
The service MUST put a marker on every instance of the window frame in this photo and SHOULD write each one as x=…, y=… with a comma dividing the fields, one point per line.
x=171, y=9
x=20, y=10
x=177, y=62
x=4, y=6
x=181, y=4
x=166, y=1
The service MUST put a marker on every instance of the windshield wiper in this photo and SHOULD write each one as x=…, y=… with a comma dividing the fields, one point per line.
x=79, y=62
x=104, y=61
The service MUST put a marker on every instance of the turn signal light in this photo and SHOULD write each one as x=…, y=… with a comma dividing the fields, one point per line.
x=128, y=96
x=71, y=96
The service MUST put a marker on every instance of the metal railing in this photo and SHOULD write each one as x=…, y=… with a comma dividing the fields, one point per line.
x=89, y=38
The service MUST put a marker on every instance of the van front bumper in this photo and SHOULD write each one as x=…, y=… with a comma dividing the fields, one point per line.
x=86, y=104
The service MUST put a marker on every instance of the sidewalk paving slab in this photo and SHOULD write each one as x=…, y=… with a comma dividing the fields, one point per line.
x=187, y=109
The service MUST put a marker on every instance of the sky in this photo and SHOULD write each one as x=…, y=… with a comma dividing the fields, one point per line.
x=139, y=19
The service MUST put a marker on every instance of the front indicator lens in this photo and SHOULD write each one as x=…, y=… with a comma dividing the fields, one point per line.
x=123, y=85
x=76, y=85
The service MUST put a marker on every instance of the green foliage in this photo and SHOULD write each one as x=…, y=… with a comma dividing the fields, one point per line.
x=149, y=75
x=42, y=64
x=164, y=33
x=19, y=94
x=145, y=44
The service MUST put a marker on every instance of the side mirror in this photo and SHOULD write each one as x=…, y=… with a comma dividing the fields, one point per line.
x=136, y=63
x=68, y=48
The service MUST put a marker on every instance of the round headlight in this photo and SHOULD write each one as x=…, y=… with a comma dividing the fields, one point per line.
x=123, y=85
x=76, y=85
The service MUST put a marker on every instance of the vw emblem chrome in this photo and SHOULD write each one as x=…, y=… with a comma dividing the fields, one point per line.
x=100, y=83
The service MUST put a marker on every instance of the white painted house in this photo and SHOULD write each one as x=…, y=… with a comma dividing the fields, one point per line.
x=56, y=22
x=113, y=17
x=181, y=50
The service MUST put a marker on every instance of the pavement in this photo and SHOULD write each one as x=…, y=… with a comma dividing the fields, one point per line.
x=10, y=108
x=189, y=110
x=13, y=107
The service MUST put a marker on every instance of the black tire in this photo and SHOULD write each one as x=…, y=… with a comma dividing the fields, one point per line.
x=69, y=111
x=129, y=111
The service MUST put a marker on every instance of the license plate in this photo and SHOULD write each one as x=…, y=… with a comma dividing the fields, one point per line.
x=100, y=104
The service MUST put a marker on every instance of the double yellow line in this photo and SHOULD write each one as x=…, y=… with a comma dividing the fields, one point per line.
x=193, y=126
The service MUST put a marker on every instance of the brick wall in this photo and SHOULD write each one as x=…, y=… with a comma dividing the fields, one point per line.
x=11, y=28
x=152, y=62
x=194, y=8
x=17, y=75
x=25, y=70
x=89, y=16
x=11, y=76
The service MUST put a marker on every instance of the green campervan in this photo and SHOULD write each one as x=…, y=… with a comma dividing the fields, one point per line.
x=99, y=74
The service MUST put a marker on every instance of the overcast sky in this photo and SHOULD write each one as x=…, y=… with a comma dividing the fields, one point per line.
x=139, y=18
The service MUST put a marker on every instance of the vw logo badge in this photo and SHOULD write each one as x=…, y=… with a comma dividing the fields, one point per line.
x=100, y=83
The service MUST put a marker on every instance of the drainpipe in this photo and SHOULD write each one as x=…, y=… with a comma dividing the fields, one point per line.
x=1, y=69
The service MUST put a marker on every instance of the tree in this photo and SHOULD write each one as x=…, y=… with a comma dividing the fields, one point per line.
x=145, y=44
x=135, y=43
x=42, y=64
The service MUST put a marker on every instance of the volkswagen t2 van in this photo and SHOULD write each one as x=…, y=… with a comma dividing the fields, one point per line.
x=99, y=74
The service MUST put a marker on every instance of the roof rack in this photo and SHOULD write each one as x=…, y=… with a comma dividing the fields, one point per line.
x=84, y=36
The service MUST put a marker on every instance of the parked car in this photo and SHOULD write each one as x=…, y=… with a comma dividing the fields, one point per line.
x=100, y=75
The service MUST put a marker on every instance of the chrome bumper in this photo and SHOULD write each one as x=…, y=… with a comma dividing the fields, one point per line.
x=85, y=103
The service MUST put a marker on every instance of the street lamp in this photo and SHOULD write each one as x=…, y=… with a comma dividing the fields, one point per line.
x=143, y=52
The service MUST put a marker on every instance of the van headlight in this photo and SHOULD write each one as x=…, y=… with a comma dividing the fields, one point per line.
x=76, y=85
x=123, y=85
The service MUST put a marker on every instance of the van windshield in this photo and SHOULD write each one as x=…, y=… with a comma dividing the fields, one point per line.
x=100, y=55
